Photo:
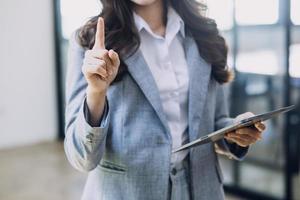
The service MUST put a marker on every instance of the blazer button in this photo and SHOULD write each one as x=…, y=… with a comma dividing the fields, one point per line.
x=159, y=140
x=89, y=137
x=174, y=171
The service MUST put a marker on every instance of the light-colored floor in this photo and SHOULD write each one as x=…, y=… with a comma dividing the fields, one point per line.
x=40, y=172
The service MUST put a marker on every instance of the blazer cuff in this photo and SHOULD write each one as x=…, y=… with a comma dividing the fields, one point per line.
x=84, y=127
x=103, y=119
x=233, y=151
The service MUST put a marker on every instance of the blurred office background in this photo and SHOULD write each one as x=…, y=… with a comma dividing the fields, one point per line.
x=264, y=41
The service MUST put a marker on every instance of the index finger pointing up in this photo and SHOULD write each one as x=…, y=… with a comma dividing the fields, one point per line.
x=100, y=35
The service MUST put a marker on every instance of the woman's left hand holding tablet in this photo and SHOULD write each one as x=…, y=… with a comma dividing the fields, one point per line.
x=246, y=136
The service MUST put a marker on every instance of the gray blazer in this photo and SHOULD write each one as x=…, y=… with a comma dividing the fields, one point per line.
x=128, y=155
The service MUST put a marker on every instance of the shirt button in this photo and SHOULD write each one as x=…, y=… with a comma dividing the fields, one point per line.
x=174, y=94
x=167, y=65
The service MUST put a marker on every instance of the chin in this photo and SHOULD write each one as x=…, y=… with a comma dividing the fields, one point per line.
x=144, y=2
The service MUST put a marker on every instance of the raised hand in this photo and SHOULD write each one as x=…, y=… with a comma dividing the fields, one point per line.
x=100, y=66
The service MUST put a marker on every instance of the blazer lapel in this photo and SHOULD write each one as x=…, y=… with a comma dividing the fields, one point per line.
x=141, y=73
x=199, y=77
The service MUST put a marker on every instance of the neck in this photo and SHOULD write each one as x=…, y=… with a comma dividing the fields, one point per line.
x=153, y=14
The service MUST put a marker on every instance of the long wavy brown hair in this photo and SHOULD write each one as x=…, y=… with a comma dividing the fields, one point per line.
x=122, y=35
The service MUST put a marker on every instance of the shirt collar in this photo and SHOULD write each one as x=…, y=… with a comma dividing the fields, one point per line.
x=173, y=18
x=174, y=21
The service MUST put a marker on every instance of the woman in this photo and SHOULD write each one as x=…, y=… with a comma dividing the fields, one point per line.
x=144, y=77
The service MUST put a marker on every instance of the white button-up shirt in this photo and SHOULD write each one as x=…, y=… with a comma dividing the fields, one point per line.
x=165, y=57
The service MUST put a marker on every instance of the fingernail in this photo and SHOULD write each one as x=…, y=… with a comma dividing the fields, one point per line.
x=111, y=52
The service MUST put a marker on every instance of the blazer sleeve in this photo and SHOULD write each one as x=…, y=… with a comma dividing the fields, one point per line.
x=84, y=145
x=222, y=120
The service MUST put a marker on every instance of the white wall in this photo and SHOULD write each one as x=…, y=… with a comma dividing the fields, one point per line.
x=27, y=78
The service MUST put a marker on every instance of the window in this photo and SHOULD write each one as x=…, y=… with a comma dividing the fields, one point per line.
x=75, y=12
x=259, y=62
x=295, y=61
x=257, y=12
x=295, y=14
x=222, y=12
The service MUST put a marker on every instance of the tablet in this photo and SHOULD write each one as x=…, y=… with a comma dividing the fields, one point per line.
x=219, y=134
